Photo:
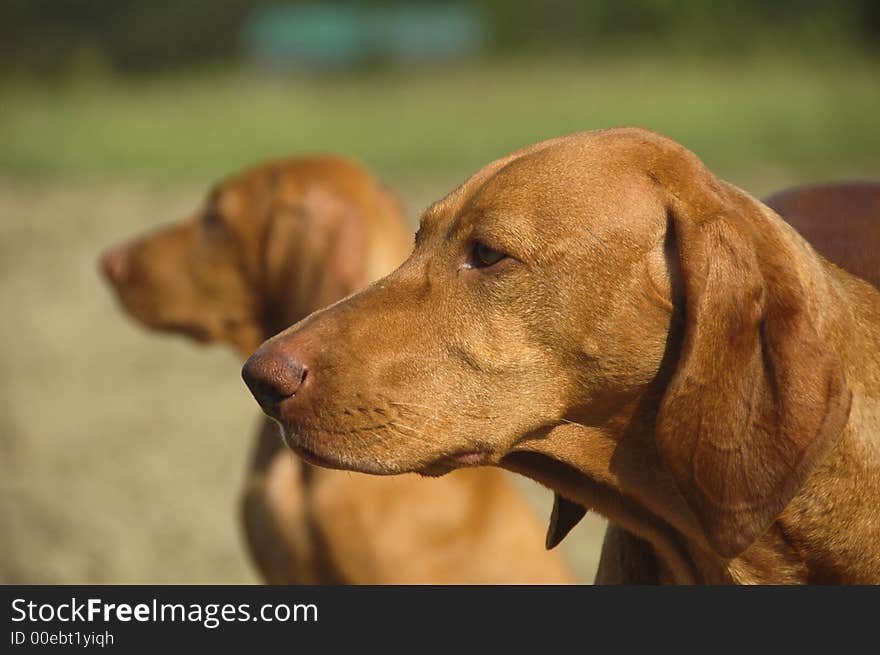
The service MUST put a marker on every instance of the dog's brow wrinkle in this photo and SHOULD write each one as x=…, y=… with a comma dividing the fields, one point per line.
x=589, y=230
x=654, y=178
x=455, y=229
x=431, y=216
x=467, y=358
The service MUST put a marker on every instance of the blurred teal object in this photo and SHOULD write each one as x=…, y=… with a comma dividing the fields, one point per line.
x=314, y=35
x=342, y=36
x=430, y=32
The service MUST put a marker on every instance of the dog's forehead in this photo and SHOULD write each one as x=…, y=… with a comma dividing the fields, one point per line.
x=230, y=197
x=565, y=188
x=244, y=197
x=593, y=179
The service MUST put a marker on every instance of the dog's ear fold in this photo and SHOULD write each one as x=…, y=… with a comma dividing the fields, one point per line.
x=565, y=515
x=758, y=396
x=314, y=254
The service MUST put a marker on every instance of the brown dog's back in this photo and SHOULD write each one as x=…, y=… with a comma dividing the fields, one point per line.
x=840, y=220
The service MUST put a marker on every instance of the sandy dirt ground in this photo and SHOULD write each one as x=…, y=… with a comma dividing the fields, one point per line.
x=122, y=452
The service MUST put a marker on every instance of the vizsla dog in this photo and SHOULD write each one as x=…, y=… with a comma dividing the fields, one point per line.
x=602, y=314
x=268, y=247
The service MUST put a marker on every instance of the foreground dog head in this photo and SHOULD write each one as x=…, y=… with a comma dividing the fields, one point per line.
x=267, y=247
x=597, y=305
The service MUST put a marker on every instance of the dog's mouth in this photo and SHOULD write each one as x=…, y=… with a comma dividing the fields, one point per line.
x=302, y=444
x=307, y=444
x=310, y=455
x=152, y=317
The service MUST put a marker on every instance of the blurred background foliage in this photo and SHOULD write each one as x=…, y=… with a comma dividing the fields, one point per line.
x=132, y=36
x=194, y=89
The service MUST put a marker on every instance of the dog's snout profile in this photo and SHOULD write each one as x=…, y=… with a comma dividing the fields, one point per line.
x=273, y=377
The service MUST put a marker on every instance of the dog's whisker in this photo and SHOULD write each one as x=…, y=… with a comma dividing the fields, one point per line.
x=421, y=436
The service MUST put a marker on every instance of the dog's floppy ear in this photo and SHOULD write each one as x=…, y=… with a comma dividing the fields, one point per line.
x=758, y=396
x=314, y=255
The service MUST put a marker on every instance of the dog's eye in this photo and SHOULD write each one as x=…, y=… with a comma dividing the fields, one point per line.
x=482, y=256
x=212, y=222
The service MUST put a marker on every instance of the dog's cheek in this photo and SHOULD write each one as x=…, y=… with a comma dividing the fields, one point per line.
x=659, y=273
x=642, y=322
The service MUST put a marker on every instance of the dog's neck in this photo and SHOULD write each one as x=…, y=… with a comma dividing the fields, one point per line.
x=807, y=544
x=819, y=538
x=588, y=465
x=837, y=513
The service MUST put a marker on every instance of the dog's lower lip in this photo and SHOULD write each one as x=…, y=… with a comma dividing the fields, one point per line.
x=193, y=331
x=471, y=458
x=462, y=459
x=313, y=458
x=305, y=452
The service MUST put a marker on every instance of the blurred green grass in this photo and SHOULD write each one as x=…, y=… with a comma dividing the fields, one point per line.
x=797, y=114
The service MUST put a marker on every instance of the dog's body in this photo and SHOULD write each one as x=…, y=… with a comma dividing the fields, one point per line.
x=840, y=220
x=272, y=245
x=603, y=315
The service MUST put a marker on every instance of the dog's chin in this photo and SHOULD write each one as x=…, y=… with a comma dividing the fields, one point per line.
x=197, y=333
x=311, y=449
x=314, y=458
x=190, y=329
x=306, y=448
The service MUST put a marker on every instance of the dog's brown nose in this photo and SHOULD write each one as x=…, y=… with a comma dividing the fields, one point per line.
x=114, y=264
x=273, y=377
